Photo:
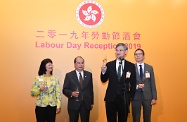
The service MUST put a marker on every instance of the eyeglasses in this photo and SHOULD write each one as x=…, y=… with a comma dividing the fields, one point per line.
x=136, y=54
x=119, y=50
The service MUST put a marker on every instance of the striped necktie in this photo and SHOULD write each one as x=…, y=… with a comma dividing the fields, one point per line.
x=119, y=71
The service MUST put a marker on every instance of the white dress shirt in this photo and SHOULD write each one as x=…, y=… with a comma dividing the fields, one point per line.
x=78, y=75
x=117, y=65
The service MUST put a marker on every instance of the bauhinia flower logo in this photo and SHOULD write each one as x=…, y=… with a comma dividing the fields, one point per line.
x=90, y=14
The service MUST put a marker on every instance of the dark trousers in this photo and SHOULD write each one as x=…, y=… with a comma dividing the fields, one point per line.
x=84, y=113
x=136, y=109
x=117, y=108
x=45, y=114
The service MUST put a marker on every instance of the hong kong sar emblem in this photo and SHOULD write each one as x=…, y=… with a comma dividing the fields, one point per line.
x=90, y=14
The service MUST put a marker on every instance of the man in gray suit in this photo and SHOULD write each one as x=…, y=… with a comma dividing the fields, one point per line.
x=146, y=94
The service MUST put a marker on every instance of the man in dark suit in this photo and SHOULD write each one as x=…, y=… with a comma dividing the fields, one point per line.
x=146, y=93
x=121, y=86
x=78, y=87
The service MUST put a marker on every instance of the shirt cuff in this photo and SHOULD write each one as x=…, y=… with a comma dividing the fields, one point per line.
x=136, y=86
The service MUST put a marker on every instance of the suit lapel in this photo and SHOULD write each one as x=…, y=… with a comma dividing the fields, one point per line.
x=137, y=74
x=75, y=78
x=124, y=66
x=85, y=80
x=114, y=67
x=145, y=69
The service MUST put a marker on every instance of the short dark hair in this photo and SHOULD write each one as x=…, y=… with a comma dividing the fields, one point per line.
x=122, y=44
x=42, y=69
x=140, y=50
x=76, y=59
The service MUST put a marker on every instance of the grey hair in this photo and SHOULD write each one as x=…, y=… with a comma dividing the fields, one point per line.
x=122, y=44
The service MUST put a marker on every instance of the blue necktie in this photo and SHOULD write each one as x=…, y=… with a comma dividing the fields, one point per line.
x=141, y=72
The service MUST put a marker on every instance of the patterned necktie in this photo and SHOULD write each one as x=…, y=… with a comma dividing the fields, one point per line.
x=119, y=71
x=141, y=72
x=80, y=79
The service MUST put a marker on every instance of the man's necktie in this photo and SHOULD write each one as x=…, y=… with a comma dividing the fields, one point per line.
x=81, y=82
x=119, y=71
x=80, y=79
x=141, y=72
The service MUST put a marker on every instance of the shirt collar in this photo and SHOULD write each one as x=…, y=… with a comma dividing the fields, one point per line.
x=77, y=72
x=140, y=64
x=118, y=61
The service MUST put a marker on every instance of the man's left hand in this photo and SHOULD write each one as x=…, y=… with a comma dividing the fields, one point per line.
x=153, y=102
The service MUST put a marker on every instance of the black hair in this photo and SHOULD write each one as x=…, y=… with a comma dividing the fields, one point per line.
x=140, y=50
x=42, y=69
x=76, y=59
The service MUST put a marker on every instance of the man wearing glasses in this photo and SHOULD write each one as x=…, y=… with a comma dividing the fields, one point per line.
x=146, y=93
x=121, y=77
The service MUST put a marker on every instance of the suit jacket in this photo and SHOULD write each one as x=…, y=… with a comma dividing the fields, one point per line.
x=149, y=90
x=71, y=82
x=115, y=86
